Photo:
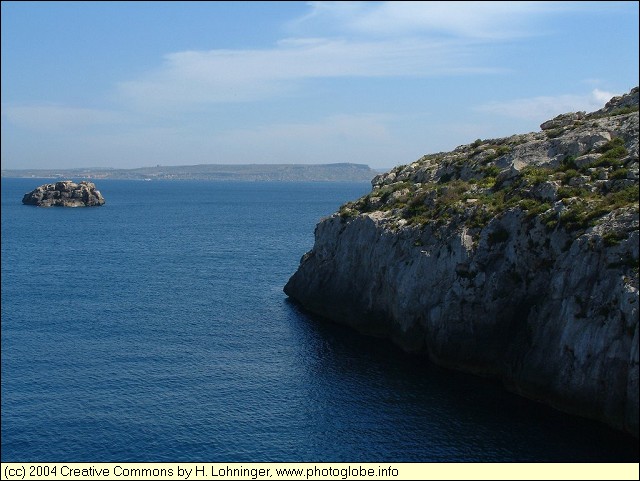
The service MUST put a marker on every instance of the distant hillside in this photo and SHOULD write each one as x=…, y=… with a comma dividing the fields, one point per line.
x=344, y=172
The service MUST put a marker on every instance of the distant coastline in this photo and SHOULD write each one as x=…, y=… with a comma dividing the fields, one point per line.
x=339, y=172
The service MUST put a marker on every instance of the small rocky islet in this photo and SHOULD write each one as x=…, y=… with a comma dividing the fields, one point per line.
x=65, y=193
x=514, y=258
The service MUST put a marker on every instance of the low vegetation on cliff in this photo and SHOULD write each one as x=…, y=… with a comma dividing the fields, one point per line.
x=570, y=175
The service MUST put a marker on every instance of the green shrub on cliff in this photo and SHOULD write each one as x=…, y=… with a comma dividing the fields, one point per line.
x=612, y=153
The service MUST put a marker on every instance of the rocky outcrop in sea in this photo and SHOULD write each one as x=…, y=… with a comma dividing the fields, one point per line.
x=64, y=194
x=515, y=258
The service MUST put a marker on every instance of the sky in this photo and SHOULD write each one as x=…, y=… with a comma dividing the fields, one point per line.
x=135, y=84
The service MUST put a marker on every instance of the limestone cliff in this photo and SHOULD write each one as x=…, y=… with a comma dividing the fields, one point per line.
x=64, y=194
x=515, y=258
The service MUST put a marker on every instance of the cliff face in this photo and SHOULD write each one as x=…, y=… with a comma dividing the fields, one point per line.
x=515, y=258
x=64, y=194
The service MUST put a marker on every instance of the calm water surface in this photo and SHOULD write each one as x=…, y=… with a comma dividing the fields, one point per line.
x=155, y=328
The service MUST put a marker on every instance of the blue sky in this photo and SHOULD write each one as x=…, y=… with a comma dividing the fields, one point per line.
x=132, y=84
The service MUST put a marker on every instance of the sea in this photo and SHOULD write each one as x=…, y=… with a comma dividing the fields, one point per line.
x=155, y=329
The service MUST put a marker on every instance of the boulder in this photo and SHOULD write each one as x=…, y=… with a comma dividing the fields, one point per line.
x=64, y=194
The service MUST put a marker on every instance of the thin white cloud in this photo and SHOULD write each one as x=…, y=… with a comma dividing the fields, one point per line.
x=478, y=20
x=546, y=107
x=344, y=39
x=601, y=97
x=194, y=77
x=57, y=117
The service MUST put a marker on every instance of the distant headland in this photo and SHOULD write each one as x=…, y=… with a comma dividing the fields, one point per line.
x=339, y=172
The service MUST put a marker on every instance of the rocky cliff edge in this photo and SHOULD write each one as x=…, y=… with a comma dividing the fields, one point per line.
x=514, y=257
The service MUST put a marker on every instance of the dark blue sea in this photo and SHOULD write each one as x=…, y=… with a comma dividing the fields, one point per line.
x=154, y=328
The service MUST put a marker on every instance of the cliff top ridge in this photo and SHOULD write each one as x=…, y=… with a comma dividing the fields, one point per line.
x=575, y=170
